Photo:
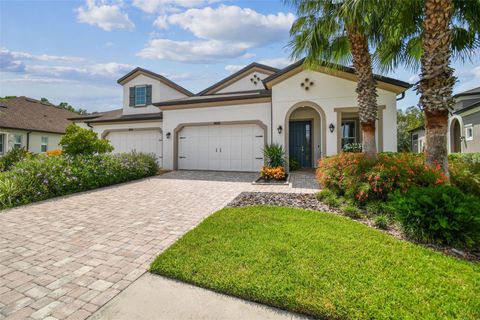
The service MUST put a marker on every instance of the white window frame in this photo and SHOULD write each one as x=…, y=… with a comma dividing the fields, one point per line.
x=3, y=142
x=145, y=96
x=17, y=144
x=468, y=128
x=43, y=144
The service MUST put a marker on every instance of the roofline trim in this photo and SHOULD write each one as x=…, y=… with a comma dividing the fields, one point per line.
x=299, y=64
x=157, y=76
x=34, y=130
x=235, y=75
x=266, y=93
x=158, y=117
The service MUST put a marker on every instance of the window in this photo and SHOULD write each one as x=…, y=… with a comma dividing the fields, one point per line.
x=140, y=95
x=349, y=132
x=469, y=132
x=17, y=141
x=44, y=145
x=2, y=143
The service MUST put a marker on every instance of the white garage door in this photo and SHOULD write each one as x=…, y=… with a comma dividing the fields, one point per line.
x=221, y=147
x=147, y=141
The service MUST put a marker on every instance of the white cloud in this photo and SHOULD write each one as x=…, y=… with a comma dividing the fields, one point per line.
x=224, y=32
x=467, y=79
x=103, y=15
x=233, y=24
x=14, y=60
x=279, y=63
x=163, y=6
x=104, y=70
x=191, y=51
x=232, y=68
x=161, y=22
x=109, y=44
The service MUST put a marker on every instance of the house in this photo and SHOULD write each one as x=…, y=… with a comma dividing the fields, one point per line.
x=463, y=125
x=31, y=124
x=224, y=127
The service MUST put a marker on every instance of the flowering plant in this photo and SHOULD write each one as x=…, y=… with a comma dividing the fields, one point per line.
x=276, y=173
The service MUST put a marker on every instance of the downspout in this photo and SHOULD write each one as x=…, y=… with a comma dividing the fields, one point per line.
x=402, y=96
x=28, y=140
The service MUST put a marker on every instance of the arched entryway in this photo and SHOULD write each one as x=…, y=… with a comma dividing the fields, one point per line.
x=455, y=136
x=305, y=133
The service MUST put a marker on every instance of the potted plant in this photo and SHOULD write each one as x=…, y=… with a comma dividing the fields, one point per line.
x=274, y=169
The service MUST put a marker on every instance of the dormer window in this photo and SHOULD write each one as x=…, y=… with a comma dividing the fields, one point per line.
x=140, y=96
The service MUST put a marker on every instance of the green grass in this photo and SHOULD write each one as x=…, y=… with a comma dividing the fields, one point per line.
x=322, y=265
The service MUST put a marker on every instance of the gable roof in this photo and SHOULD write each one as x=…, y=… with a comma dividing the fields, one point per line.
x=29, y=114
x=471, y=92
x=154, y=75
x=231, y=78
x=296, y=67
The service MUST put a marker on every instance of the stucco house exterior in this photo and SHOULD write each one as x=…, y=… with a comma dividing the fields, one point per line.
x=224, y=127
x=463, y=125
x=31, y=124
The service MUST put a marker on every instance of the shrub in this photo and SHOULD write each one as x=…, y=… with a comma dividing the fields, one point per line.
x=83, y=141
x=377, y=207
x=439, y=214
x=45, y=177
x=365, y=179
x=464, y=171
x=333, y=201
x=12, y=157
x=352, y=211
x=274, y=155
x=293, y=164
x=381, y=221
x=268, y=173
x=54, y=152
x=353, y=147
x=321, y=195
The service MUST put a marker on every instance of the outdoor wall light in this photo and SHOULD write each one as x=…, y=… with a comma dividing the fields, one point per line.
x=168, y=135
x=279, y=129
x=331, y=127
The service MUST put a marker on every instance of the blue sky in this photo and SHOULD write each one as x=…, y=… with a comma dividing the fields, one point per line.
x=74, y=51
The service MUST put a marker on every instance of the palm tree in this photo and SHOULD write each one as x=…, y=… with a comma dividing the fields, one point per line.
x=327, y=33
x=429, y=32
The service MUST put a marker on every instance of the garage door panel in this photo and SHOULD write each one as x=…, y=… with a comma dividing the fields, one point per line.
x=146, y=141
x=221, y=147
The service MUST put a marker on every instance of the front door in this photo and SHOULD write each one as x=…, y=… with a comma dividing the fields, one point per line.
x=300, y=143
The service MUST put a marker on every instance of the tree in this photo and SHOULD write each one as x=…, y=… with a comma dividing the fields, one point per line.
x=327, y=32
x=429, y=32
x=410, y=119
x=77, y=141
x=66, y=106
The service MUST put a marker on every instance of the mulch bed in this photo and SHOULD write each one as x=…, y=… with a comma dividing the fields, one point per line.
x=309, y=201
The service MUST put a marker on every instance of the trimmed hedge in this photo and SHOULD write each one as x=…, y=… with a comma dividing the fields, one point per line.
x=46, y=177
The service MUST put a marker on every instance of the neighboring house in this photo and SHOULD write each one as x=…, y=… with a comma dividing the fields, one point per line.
x=31, y=124
x=224, y=127
x=463, y=125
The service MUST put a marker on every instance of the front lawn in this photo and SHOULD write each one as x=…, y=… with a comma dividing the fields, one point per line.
x=322, y=265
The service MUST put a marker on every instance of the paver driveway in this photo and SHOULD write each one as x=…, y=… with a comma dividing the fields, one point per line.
x=66, y=257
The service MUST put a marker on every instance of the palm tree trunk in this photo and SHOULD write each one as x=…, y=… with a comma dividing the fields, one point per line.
x=436, y=79
x=366, y=89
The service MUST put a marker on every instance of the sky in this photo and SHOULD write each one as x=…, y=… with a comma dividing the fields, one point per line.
x=74, y=51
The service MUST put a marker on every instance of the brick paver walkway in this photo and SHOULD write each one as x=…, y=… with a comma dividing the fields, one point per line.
x=65, y=258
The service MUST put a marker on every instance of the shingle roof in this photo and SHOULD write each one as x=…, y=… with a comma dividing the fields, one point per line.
x=468, y=105
x=117, y=115
x=30, y=114
x=471, y=92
